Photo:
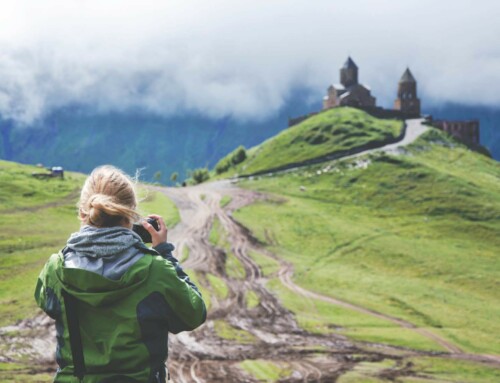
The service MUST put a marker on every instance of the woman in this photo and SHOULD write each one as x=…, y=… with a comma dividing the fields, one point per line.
x=114, y=299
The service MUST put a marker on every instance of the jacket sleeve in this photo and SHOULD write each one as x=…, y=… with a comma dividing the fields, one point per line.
x=45, y=295
x=186, y=306
x=40, y=292
x=165, y=250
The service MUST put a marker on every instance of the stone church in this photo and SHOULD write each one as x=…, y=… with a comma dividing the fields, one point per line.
x=349, y=92
x=407, y=105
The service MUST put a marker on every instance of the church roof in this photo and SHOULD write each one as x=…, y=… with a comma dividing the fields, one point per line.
x=407, y=76
x=350, y=64
x=344, y=95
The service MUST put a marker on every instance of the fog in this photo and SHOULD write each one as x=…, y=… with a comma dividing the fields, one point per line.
x=241, y=59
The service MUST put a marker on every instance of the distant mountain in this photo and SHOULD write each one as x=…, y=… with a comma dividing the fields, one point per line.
x=80, y=139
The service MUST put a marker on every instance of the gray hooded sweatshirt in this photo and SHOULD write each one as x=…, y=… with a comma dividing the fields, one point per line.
x=107, y=251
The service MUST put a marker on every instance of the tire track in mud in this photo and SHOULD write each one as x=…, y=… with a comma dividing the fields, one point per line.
x=286, y=273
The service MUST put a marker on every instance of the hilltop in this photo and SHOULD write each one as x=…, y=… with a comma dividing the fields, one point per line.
x=334, y=130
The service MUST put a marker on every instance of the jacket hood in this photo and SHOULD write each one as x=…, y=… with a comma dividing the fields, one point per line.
x=102, y=265
x=96, y=290
x=95, y=242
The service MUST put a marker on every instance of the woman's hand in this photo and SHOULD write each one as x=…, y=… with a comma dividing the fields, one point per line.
x=159, y=236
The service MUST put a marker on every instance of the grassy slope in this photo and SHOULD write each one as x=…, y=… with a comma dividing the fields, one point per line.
x=411, y=236
x=151, y=202
x=325, y=133
x=29, y=236
x=37, y=216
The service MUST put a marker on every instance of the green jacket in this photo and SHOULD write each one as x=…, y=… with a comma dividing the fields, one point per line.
x=123, y=323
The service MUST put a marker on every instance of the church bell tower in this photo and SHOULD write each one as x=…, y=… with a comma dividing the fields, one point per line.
x=349, y=73
x=407, y=100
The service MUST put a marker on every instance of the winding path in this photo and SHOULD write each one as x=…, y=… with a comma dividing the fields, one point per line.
x=270, y=323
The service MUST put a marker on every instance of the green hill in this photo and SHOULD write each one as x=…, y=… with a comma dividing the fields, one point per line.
x=326, y=133
x=413, y=236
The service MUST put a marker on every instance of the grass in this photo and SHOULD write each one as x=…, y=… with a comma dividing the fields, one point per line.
x=366, y=372
x=196, y=278
x=268, y=265
x=456, y=370
x=218, y=286
x=36, y=221
x=252, y=299
x=265, y=371
x=23, y=375
x=225, y=200
x=428, y=369
x=21, y=190
x=218, y=237
x=319, y=317
x=411, y=236
x=328, y=132
x=226, y=331
x=154, y=202
x=185, y=254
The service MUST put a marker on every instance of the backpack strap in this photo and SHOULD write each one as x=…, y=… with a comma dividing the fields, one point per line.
x=75, y=338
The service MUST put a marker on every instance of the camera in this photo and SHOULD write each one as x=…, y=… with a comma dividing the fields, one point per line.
x=142, y=232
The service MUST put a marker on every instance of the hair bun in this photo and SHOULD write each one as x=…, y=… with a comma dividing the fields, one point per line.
x=108, y=198
x=101, y=212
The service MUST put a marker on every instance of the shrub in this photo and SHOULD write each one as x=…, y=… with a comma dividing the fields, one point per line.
x=223, y=165
x=239, y=155
x=236, y=157
x=200, y=175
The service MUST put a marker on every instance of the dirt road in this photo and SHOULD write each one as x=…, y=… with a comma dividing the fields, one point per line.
x=203, y=356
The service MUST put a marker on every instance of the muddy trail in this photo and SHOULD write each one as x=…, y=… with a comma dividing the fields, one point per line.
x=265, y=330
x=204, y=356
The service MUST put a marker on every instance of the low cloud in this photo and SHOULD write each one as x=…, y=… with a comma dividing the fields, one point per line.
x=220, y=58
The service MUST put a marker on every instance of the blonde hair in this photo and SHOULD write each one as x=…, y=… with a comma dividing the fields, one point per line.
x=108, y=198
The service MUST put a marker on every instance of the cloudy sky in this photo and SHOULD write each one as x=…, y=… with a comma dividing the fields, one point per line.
x=239, y=58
